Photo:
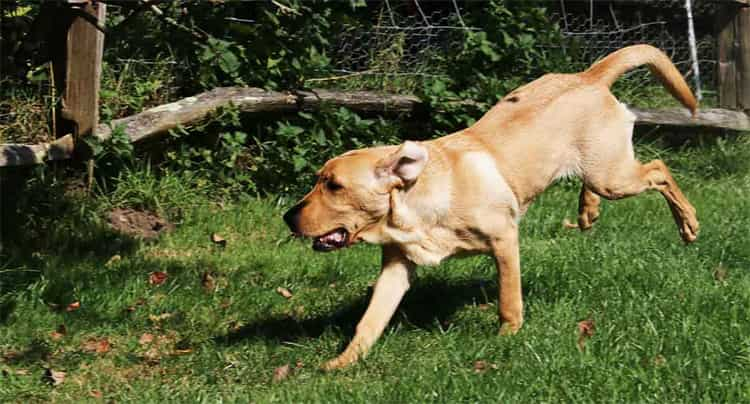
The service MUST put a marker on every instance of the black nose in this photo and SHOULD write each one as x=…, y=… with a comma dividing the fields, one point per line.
x=291, y=217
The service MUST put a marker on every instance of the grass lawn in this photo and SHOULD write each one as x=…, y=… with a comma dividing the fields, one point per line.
x=671, y=322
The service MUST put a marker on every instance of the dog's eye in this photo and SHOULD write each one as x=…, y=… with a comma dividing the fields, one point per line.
x=333, y=185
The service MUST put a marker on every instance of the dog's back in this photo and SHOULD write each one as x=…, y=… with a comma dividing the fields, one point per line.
x=570, y=118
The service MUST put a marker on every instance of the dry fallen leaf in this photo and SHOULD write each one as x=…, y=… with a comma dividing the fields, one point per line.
x=146, y=338
x=218, y=240
x=482, y=366
x=95, y=394
x=103, y=346
x=99, y=346
x=157, y=318
x=585, y=330
x=54, y=377
x=484, y=306
x=208, y=283
x=284, y=292
x=157, y=278
x=281, y=373
x=73, y=306
x=659, y=360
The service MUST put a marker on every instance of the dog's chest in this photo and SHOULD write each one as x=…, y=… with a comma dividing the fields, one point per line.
x=458, y=217
x=430, y=246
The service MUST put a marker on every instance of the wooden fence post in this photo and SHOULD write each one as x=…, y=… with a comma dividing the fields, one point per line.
x=733, y=36
x=77, y=46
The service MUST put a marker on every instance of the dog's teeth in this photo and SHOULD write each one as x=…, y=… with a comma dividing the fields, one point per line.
x=334, y=237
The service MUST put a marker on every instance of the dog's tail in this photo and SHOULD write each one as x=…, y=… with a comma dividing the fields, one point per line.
x=607, y=70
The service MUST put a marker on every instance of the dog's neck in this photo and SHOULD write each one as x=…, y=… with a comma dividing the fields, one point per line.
x=413, y=221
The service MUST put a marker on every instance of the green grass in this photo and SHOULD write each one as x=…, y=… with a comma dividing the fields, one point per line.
x=672, y=321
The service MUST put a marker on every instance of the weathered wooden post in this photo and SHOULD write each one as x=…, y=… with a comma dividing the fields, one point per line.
x=733, y=36
x=77, y=43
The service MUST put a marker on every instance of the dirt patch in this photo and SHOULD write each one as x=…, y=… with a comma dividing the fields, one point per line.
x=145, y=225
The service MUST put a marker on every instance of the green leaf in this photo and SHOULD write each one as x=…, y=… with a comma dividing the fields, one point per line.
x=271, y=62
x=228, y=62
x=299, y=163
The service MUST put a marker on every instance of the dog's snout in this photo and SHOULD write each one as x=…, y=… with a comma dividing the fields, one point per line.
x=291, y=217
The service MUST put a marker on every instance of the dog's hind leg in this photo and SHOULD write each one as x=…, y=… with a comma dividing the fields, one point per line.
x=392, y=284
x=632, y=178
x=588, y=210
x=508, y=264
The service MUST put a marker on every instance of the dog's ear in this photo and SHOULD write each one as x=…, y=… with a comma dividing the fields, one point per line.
x=402, y=167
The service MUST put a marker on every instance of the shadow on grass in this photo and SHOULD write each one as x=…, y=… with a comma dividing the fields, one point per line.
x=43, y=217
x=38, y=351
x=429, y=303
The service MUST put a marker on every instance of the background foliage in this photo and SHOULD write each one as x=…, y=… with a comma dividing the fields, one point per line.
x=152, y=59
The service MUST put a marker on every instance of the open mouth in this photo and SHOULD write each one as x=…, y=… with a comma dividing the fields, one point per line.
x=332, y=240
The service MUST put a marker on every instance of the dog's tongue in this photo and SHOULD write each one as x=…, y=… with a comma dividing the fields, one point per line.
x=330, y=241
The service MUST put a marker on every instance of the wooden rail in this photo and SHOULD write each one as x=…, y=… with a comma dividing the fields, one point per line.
x=192, y=110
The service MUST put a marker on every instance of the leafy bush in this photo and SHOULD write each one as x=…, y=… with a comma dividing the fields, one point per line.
x=152, y=59
x=512, y=48
x=279, y=154
x=280, y=50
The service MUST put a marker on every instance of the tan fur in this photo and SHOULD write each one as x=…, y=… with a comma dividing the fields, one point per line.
x=466, y=192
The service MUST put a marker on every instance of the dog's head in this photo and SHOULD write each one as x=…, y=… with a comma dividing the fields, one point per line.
x=352, y=194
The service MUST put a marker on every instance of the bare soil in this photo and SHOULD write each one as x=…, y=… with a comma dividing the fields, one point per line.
x=139, y=224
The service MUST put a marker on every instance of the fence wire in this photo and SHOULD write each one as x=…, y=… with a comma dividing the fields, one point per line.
x=406, y=38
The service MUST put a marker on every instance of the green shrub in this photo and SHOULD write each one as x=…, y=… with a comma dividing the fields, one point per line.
x=150, y=60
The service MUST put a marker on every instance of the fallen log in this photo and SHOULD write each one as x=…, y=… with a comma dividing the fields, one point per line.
x=711, y=118
x=192, y=110
x=24, y=154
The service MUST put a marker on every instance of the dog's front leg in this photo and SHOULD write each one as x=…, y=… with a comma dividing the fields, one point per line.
x=392, y=284
x=507, y=261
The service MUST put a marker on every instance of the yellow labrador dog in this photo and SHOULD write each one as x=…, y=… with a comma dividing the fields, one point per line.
x=465, y=193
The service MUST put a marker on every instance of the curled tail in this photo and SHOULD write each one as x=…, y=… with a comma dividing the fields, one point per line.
x=607, y=70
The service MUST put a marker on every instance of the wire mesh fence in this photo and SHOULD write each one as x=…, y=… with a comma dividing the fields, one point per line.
x=402, y=41
x=600, y=27
x=406, y=37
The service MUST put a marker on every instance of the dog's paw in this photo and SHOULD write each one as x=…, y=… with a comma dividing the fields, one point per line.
x=689, y=229
x=509, y=329
x=585, y=221
x=339, y=362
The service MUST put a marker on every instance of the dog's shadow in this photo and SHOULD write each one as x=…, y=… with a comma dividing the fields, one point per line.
x=427, y=305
